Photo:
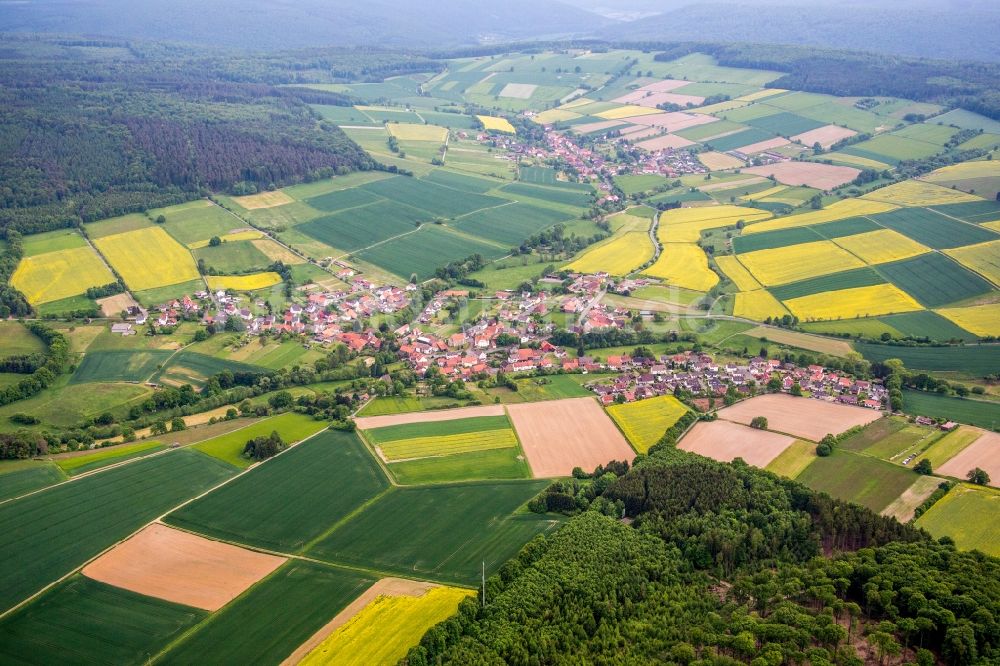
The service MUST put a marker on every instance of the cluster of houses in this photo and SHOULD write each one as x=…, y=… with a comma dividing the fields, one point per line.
x=667, y=162
x=700, y=375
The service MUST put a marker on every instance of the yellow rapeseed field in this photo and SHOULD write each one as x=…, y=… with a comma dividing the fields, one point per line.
x=761, y=94
x=684, y=265
x=494, y=124
x=872, y=301
x=882, y=246
x=962, y=170
x=770, y=192
x=758, y=305
x=554, y=116
x=385, y=630
x=736, y=272
x=840, y=210
x=918, y=193
x=263, y=200
x=446, y=445
x=250, y=282
x=983, y=320
x=276, y=252
x=782, y=265
x=148, y=258
x=627, y=111
x=251, y=234
x=983, y=258
x=579, y=101
x=645, y=421
x=854, y=160
x=995, y=225
x=56, y=275
x=417, y=132
x=620, y=256
x=684, y=225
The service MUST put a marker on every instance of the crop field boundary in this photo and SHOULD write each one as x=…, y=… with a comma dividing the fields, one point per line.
x=158, y=519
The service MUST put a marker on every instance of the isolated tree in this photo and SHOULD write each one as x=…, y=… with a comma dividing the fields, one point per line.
x=924, y=467
x=215, y=241
x=161, y=219
x=979, y=477
x=759, y=422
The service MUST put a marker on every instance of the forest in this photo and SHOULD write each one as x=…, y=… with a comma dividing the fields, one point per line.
x=725, y=564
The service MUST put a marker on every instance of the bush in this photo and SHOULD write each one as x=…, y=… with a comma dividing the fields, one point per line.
x=759, y=422
x=262, y=448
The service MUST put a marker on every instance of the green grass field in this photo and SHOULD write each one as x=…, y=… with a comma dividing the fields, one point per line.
x=554, y=387
x=18, y=477
x=117, y=225
x=509, y=224
x=233, y=257
x=972, y=359
x=86, y=622
x=857, y=478
x=161, y=295
x=436, y=428
x=60, y=528
x=431, y=247
x=292, y=499
x=104, y=457
x=926, y=323
x=792, y=461
x=292, y=427
x=440, y=532
x=872, y=434
x=272, y=618
x=935, y=280
x=436, y=200
x=119, y=366
x=16, y=339
x=949, y=446
x=505, y=463
x=403, y=405
x=197, y=221
x=52, y=241
x=193, y=368
x=68, y=405
x=561, y=195
x=961, y=515
x=933, y=229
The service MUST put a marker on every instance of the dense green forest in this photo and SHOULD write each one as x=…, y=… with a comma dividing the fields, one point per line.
x=724, y=564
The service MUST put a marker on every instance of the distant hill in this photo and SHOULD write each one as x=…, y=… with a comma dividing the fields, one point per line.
x=957, y=30
x=283, y=24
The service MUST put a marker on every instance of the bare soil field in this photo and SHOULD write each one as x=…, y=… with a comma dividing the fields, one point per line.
x=518, y=90
x=803, y=340
x=665, y=141
x=761, y=146
x=636, y=132
x=825, y=136
x=369, y=422
x=905, y=505
x=654, y=99
x=673, y=121
x=983, y=453
x=386, y=587
x=803, y=417
x=725, y=441
x=730, y=184
x=810, y=174
x=183, y=568
x=112, y=306
x=264, y=200
x=559, y=435
x=719, y=161
x=598, y=126
x=666, y=85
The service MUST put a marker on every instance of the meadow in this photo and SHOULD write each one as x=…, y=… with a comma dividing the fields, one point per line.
x=490, y=464
x=104, y=457
x=197, y=221
x=65, y=405
x=291, y=499
x=793, y=460
x=645, y=422
x=119, y=365
x=959, y=515
x=89, y=622
x=949, y=446
x=64, y=526
x=292, y=427
x=187, y=367
x=857, y=478
x=148, y=258
x=16, y=339
x=273, y=618
x=440, y=532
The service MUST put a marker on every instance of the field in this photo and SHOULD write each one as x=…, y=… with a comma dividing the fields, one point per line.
x=67, y=525
x=802, y=340
x=510, y=224
x=52, y=241
x=408, y=413
x=959, y=515
x=973, y=412
x=148, y=258
x=416, y=132
x=250, y=282
x=569, y=196
x=970, y=359
x=20, y=478
x=758, y=305
x=983, y=258
x=292, y=427
x=882, y=246
x=858, y=478
x=494, y=124
x=119, y=365
x=291, y=499
x=802, y=417
x=187, y=367
x=684, y=265
x=427, y=250
x=782, y=265
x=272, y=619
x=982, y=320
x=263, y=200
x=810, y=174
x=725, y=441
x=953, y=443
x=933, y=229
x=439, y=532
x=503, y=463
x=15, y=339
x=926, y=323
x=825, y=136
x=918, y=193
x=68, y=405
x=736, y=272
x=685, y=225
x=559, y=435
x=78, y=464
x=850, y=303
x=935, y=280
x=181, y=568
x=840, y=210
x=442, y=438
x=386, y=628
x=983, y=453
x=645, y=422
x=620, y=256
x=793, y=460
x=52, y=276
x=904, y=506
x=88, y=622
